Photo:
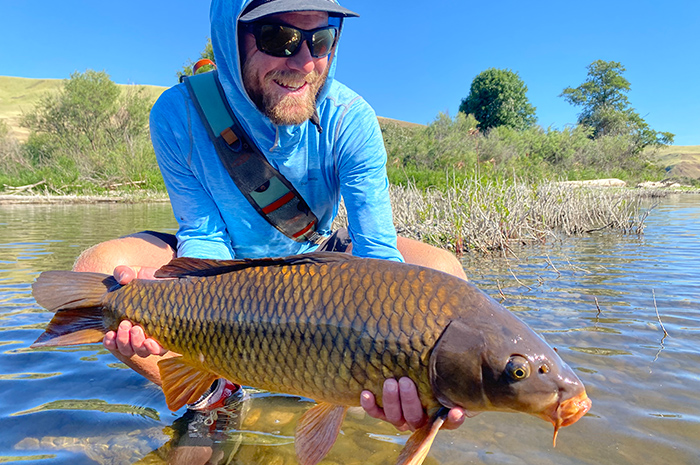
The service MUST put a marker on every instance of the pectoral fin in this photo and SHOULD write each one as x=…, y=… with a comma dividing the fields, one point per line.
x=183, y=383
x=419, y=443
x=317, y=431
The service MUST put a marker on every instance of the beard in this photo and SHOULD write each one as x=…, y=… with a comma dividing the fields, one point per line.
x=286, y=109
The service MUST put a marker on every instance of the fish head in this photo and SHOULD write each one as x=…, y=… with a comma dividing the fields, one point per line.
x=505, y=366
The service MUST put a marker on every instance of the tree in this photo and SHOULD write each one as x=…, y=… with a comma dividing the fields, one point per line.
x=497, y=98
x=83, y=106
x=92, y=122
x=606, y=108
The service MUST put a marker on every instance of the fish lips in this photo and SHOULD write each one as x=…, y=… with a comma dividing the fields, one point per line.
x=566, y=413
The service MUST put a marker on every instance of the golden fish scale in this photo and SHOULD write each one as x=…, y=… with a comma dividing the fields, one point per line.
x=325, y=331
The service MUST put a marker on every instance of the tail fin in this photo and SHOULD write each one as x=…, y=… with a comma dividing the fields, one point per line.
x=77, y=300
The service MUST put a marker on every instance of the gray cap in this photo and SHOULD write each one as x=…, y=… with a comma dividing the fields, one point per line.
x=259, y=8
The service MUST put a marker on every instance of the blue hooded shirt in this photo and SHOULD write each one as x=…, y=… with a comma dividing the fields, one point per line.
x=347, y=159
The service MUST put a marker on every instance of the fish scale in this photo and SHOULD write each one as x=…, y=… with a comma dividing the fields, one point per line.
x=371, y=329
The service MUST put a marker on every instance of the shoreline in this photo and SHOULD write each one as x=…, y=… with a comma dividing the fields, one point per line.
x=50, y=199
x=39, y=199
x=159, y=197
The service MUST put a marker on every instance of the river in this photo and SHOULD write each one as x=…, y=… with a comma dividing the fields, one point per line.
x=623, y=311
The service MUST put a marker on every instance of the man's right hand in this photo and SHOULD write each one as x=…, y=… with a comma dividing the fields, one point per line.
x=130, y=340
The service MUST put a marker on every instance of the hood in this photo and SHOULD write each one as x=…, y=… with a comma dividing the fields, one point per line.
x=224, y=16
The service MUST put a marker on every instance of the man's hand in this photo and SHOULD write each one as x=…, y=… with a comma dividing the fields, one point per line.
x=402, y=407
x=130, y=340
x=125, y=274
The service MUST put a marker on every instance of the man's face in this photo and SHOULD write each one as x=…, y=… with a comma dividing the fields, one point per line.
x=285, y=89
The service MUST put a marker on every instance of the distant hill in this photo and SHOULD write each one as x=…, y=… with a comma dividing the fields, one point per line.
x=680, y=161
x=20, y=95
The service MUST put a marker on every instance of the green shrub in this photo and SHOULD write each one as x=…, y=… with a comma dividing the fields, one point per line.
x=452, y=149
x=92, y=134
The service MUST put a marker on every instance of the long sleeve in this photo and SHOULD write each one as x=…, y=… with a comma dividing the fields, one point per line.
x=202, y=232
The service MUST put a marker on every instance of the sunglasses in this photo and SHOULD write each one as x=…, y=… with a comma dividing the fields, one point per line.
x=282, y=41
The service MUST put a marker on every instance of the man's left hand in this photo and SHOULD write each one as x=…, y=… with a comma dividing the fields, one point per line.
x=402, y=407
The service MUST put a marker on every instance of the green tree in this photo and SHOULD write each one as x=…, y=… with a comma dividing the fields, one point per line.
x=93, y=126
x=497, y=98
x=78, y=111
x=606, y=109
x=207, y=53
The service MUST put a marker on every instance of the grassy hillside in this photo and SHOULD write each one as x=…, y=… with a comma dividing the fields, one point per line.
x=679, y=161
x=19, y=95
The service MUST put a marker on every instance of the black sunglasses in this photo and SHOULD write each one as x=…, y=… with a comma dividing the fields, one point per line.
x=280, y=40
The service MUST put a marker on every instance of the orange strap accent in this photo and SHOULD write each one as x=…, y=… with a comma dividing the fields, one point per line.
x=278, y=203
x=305, y=230
x=200, y=63
x=229, y=136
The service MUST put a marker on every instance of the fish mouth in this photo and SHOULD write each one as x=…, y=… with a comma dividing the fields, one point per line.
x=567, y=413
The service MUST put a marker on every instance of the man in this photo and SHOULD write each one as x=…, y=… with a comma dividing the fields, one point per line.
x=276, y=65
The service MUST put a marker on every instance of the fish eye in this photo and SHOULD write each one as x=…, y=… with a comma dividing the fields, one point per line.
x=518, y=368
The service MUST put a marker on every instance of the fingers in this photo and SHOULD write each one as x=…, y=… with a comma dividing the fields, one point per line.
x=130, y=340
x=411, y=406
x=146, y=272
x=124, y=274
x=110, y=341
x=402, y=406
x=392, y=403
x=154, y=348
x=455, y=418
x=369, y=403
x=124, y=339
x=138, y=338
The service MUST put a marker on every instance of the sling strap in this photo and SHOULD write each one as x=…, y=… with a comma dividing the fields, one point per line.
x=270, y=193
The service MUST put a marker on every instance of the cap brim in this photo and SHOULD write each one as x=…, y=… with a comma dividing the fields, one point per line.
x=272, y=8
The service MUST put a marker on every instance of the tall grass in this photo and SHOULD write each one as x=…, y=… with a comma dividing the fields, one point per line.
x=492, y=215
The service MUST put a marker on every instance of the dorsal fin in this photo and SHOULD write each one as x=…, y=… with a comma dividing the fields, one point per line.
x=184, y=266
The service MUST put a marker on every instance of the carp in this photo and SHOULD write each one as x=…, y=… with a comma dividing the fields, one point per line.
x=324, y=326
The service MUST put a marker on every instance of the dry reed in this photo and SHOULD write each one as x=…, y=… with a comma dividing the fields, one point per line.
x=491, y=216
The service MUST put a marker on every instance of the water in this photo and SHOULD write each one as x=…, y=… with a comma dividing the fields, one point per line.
x=602, y=300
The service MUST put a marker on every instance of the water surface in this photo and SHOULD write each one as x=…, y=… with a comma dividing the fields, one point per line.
x=603, y=300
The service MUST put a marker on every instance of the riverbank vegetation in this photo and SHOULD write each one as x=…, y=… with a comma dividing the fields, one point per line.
x=455, y=183
x=453, y=149
x=494, y=215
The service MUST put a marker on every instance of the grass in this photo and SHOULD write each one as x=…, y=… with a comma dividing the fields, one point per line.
x=19, y=95
x=488, y=215
x=680, y=161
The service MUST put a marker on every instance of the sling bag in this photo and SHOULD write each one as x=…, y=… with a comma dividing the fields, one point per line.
x=270, y=193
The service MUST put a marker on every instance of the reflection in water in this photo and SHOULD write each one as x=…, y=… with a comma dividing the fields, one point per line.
x=93, y=404
x=594, y=298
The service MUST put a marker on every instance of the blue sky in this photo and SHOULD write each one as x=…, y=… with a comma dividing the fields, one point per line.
x=410, y=59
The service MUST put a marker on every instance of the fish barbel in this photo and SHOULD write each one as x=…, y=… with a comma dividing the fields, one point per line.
x=325, y=326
